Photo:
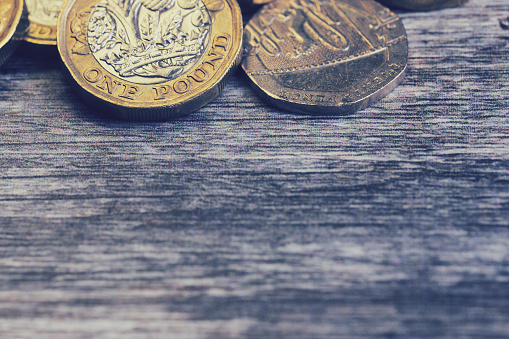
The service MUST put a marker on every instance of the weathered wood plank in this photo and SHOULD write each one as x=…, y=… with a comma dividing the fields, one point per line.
x=243, y=221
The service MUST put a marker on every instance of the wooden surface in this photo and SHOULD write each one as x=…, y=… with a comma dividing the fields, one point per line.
x=242, y=221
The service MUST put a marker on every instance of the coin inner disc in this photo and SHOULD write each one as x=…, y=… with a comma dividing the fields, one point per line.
x=147, y=41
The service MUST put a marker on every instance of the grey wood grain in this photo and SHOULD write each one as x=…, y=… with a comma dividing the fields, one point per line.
x=243, y=221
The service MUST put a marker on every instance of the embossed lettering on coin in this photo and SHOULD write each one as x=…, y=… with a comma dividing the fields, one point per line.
x=43, y=15
x=325, y=57
x=151, y=59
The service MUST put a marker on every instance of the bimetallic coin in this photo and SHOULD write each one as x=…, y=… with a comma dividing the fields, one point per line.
x=324, y=56
x=422, y=5
x=10, y=18
x=43, y=15
x=150, y=59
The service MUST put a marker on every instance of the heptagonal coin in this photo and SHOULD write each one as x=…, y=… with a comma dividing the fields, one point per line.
x=327, y=57
x=150, y=60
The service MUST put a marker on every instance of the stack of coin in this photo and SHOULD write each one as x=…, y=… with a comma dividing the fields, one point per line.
x=161, y=59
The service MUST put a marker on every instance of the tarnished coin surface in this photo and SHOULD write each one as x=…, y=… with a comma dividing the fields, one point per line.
x=42, y=16
x=150, y=59
x=324, y=56
x=10, y=17
x=422, y=5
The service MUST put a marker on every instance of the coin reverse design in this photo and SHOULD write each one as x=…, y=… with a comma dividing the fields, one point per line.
x=423, y=5
x=10, y=18
x=43, y=16
x=324, y=57
x=150, y=59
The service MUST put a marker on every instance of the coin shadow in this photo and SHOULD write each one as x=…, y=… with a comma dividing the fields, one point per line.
x=41, y=55
x=296, y=111
x=91, y=110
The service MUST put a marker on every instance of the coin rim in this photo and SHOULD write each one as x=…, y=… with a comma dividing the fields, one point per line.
x=13, y=24
x=34, y=40
x=163, y=110
x=324, y=110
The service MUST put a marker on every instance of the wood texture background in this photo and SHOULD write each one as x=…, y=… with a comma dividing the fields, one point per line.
x=242, y=221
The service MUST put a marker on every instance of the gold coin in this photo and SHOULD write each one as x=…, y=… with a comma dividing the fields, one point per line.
x=42, y=16
x=150, y=59
x=10, y=18
x=324, y=56
x=422, y=5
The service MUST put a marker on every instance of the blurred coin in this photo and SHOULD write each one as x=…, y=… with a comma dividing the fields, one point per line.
x=10, y=19
x=150, y=60
x=422, y=5
x=42, y=16
x=324, y=57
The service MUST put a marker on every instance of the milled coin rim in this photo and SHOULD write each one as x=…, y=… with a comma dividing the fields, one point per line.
x=194, y=99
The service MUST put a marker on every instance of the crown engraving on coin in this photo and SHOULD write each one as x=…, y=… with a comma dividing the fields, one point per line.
x=150, y=59
x=143, y=41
